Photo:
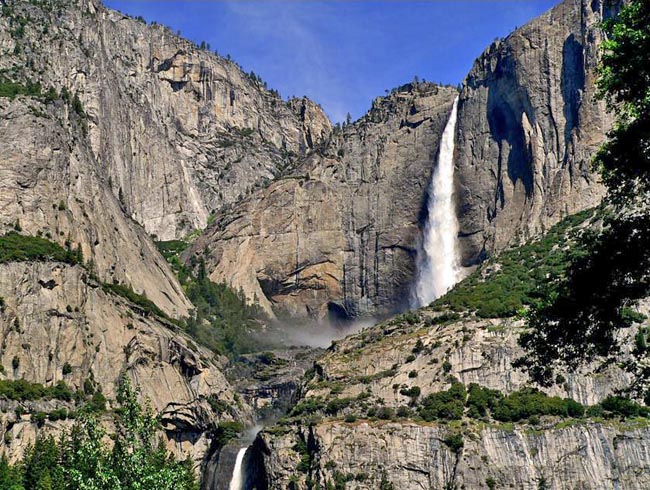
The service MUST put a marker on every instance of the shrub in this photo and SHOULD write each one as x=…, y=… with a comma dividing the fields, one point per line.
x=481, y=399
x=446, y=405
x=413, y=392
x=227, y=431
x=454, y=442
x=146, y=305
x=624, y=407
x=39, y=418
x=419, y=347
x=67, y=369
x=22, y=248
x=527, y=402
x=385, y=413
x=97, y=403
x=23, y=390
x=336, y=405
x=403, y=412
x=13, y=89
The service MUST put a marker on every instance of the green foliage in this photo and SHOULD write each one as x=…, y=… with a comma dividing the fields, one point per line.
x=219, y=407
x=491, y=483
x=23, y=390
x=307, y=406
x=15, y=247
x=581, y=320
x=222, y=320
x=12, y=89
x=146, y=305
x=446, y=366
x=385, y=413
x=454, y=442
x=502, y=287
x=81, y=460
x=446, y=405
x=97, y=403
x=623, y=407
x=527, y=402
x=624, y=82
x=413, y=392
x=336, y=405
x=480, y=400
x=227, y=431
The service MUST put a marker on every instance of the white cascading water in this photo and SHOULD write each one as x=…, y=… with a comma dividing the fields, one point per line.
x=437, y=263
x=237, y=480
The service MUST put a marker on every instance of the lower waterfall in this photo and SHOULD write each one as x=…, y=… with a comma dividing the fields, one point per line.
x=437, y=262
x=237, y=480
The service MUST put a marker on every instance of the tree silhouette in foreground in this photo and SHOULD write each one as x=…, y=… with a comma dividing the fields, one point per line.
x=583, y=314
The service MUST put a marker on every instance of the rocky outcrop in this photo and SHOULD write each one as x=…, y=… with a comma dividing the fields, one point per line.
x=331, y=437
x=380, y=360
x=52, y=185
x=409, y=456
x=528, y=125
x=268, y=381
x=179, y=131
x=59, y=324
x=337, y=238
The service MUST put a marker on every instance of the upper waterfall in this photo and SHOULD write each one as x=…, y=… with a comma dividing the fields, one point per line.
x=437, y=262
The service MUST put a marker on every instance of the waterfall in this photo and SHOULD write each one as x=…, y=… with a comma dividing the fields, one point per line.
x=437, y=262
x=237, y=481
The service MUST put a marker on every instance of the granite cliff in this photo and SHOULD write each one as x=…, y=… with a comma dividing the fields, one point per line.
x=336, y=238
x=341, y=239
x=133, y=132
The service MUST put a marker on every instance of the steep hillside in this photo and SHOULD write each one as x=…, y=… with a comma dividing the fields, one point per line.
x=59, y=324
x=430, y=399
x=179, y=131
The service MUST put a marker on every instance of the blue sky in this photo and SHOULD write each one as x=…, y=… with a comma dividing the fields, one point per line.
x=343, y=53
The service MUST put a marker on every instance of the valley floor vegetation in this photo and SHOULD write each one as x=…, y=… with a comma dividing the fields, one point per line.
x=84, y=458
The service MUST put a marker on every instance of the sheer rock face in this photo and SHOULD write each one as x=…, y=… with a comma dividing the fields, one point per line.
x=55, y=315
x=589, y=456
x=528, y=126
x=52, y=185
x=179, y=131
x=378, y=365
x=337, y=237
